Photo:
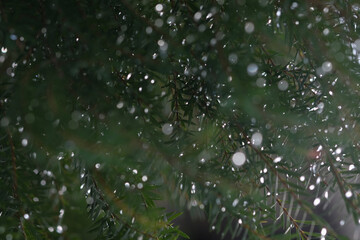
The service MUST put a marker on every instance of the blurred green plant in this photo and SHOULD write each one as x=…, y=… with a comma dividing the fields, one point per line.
x=244, y=110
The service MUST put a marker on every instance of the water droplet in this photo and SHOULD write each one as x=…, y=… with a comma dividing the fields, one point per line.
x=326, y=67
x=144, y=178
x=249, y=27
x=26, y=216
x=120, y=105
x=24, y=142
x=148, y=30
x=342, y=222
x=262, y=180
x=326, y=31
x=302, y=178
x=252, y=69
x=59, y=229
x=159, y=7
x=235, y=202
x=159, y=22
x=233, y=58
x=357, y=44
x=294, y=5
x=89, y=200
x=140, y=186
x=323, y=231
x=277, y=159
x=351, y=167
x=338, y=150
x=238, y=159
x=316, y=201
x=167, y=128
x=283, y=85
x=240, y=221
x=261, y=82
x=197, y=16
x=120, y=39
x=256, y=139
x=348, y=194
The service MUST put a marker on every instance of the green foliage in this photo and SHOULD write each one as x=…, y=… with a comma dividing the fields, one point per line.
x=243, y=110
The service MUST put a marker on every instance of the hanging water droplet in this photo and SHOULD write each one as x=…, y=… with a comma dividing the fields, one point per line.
x=249, y=27
x=326, y=67
x=159, y=7
x=357, y=44
x=120, y=105
x=167, y=128
x=256, y=139
x=59, y=229
x=277, y=159
x=323, y=231
x=233, y=58
x=197, y=16
x=252, y=69
x=316, y=201
x=338, y=150
x=348, y=194
x=238, y=159
x=283, y=85
x=261, y=82
x=24, y=142
x=235, y=202
x=262, y=180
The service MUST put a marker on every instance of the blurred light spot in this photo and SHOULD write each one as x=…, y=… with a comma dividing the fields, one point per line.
x=316, y=201
x=167, y=128
x=159, y=7
x=24, y=142
x=348, y=194
x=59, y=229
x=238, y=159
x=249, y=27
x=252, y=69
x=283, y=85
x=256, y=139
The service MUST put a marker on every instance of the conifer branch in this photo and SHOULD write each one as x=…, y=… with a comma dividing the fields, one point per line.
x=15, y=182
